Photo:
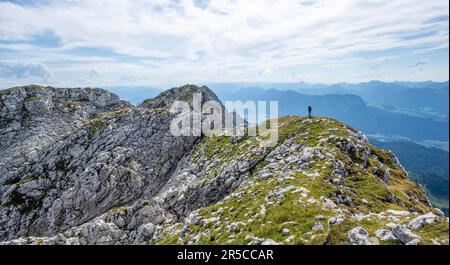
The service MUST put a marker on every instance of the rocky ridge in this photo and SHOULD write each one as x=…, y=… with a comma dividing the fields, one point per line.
x=80, y=166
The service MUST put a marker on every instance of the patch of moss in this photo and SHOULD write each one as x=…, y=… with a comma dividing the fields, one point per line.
x=170, y=240
x=100, y=121
x=33, y=97
x=72, y=106
x=25, y=180
x=338, y=233
x=119, y=211
x=95, y=125
x=434, y=231
x=12, y=180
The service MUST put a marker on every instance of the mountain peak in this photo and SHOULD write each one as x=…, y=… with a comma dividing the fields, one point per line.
x=183, y=93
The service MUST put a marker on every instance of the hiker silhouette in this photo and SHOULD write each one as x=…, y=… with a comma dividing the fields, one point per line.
x=309, y=111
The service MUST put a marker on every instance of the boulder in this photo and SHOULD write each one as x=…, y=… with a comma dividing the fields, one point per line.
x=336, y=220
x=385, y=235
x=265, y=176
x=422, y=220
x=358, y=236
x=328, y=202
x=397, y=212
x=404, y=234
x=285, y=231
x=317, y=226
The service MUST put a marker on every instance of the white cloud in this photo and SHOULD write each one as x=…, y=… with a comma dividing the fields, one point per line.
x=223, y=40
x=20, y=70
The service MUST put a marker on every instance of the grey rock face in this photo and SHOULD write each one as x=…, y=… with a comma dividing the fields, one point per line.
x=33, y=116
x=109, y=155
x=405, y=235
x=358, y=236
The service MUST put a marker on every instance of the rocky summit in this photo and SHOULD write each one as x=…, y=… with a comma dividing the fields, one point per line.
x=81, y=166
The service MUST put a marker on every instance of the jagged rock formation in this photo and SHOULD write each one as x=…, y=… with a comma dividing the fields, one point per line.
x=79, y=166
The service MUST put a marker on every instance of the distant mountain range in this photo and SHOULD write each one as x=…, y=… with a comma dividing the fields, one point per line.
x=349, y=108
x=424, y=99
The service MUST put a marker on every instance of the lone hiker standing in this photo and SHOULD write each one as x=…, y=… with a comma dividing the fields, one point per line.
x=309, y=111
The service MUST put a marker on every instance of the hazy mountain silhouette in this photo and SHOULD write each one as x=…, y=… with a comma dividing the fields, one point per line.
x=349, y=108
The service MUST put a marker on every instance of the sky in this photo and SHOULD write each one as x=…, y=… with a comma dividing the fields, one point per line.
x=103, y=43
